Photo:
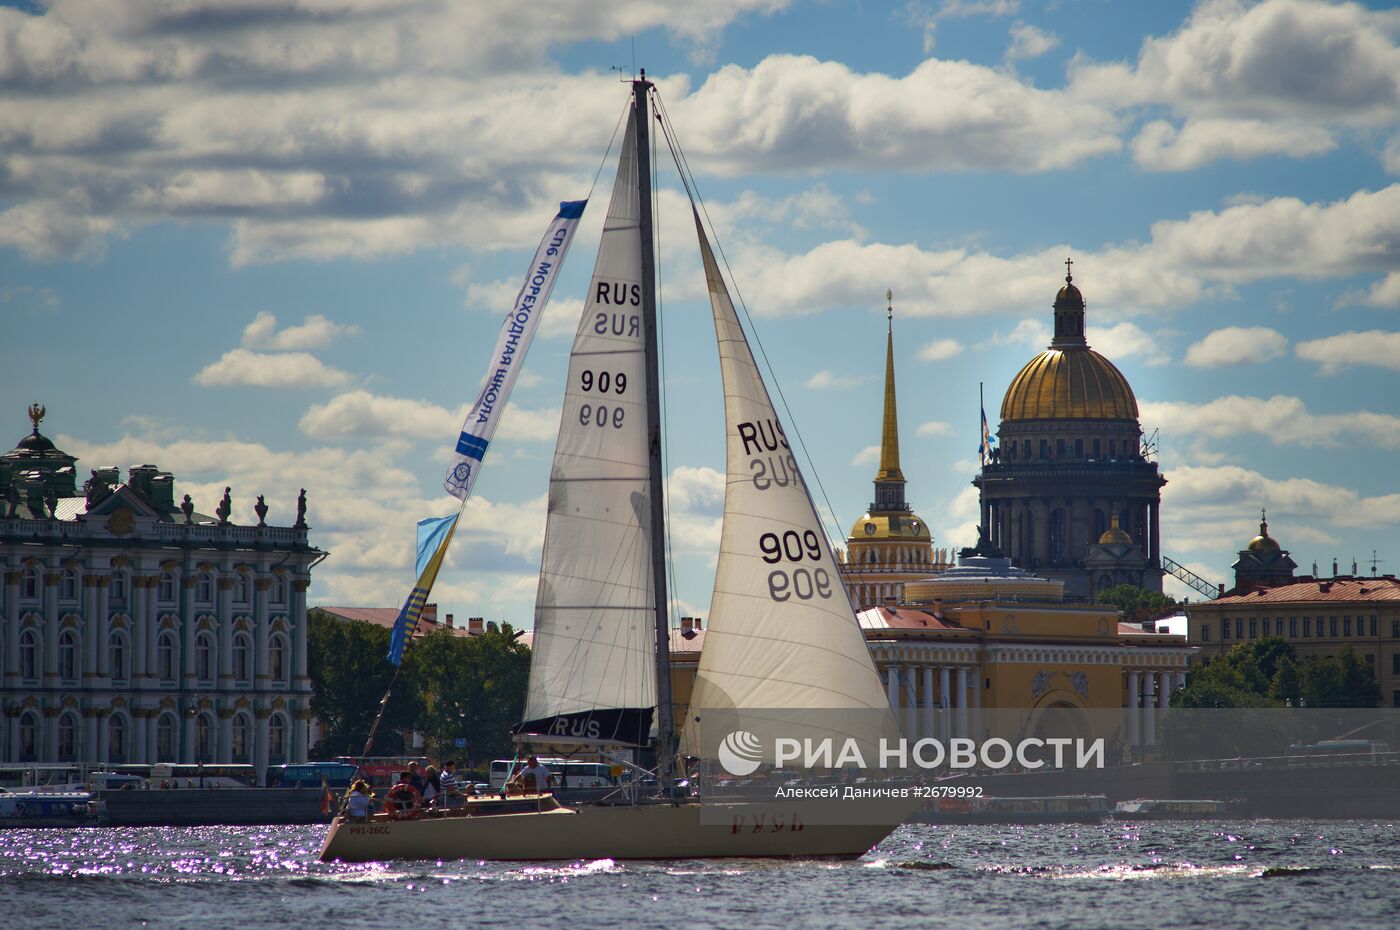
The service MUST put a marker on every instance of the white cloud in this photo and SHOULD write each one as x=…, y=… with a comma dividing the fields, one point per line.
x=940, y=350
x=1160, y=146
x=315, y=332
x=363, y=414
x=934, y=428
x=960, y=518
x=242, y=368
x=825, y=380
x=1028, y=42
x=1344, y=350
x=1237, y=345
x=1122, y=340
x=867, y=456
x=1383, y=293
x=1282, y=420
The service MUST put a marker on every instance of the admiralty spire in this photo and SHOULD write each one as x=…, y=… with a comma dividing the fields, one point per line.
x=889, y=544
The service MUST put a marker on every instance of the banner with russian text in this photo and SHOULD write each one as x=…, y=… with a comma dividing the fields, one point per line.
x=517, y=330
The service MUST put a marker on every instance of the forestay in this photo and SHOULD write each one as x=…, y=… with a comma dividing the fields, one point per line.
x=783, y=655
x=592, y=673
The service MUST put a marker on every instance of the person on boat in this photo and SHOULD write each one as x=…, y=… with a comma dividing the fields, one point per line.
x=403, y=800
x=447, y=781
x=358, y=804
x=532, y=779
x=416, y=776
x=432, y=788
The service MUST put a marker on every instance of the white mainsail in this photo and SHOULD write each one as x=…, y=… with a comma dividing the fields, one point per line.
x=592, y=671
x=784, y=654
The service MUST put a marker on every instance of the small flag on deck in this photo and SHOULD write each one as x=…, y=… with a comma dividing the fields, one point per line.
x=434, y=535
x=327, y=799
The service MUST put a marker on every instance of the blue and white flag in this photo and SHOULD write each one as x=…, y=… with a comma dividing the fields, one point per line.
x=517, y=330
x=434, y=535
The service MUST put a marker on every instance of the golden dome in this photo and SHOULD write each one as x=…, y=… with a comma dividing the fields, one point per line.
x=1263, y=541
x=1073, y=383
x=1115, y=535
x=877, y=526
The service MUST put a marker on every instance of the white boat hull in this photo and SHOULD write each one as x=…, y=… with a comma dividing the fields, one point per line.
x=794, y=829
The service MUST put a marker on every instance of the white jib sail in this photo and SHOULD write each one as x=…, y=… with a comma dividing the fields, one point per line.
x=592, y=666
x=784, y=655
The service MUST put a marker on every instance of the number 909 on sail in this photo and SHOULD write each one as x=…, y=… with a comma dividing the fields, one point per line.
x=802, y=582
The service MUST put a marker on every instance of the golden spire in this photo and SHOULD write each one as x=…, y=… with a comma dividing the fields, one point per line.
x=889, y=439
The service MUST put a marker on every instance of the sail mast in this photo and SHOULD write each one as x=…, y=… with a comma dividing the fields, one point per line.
x=665, y=724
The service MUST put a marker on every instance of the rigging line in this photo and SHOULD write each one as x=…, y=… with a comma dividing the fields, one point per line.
x=673, y=597
x=692, y=188
x=627, y=108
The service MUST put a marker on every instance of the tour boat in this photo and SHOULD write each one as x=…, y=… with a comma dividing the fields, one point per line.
x=783, y=642
x=34, y=808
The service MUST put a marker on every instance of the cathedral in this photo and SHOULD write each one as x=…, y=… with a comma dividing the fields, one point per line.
x=1069, y=493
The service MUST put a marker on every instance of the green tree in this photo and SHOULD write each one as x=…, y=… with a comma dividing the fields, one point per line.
x=1340, y=680
x=1135, y=602
x=473, y=690
x=1242, y=677
x=349, y=670
x=1286, y=686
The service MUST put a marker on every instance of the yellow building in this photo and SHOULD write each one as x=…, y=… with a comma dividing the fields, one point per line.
x=986, y=635
x=889, y=545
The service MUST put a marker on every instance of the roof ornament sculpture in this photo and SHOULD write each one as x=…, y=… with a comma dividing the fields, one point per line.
x=301, y=511
x=225, y=506
x=36, y=414
x=260, y=508
x=187, y=508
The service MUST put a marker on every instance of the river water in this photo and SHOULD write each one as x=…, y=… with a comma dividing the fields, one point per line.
x=1261, y=874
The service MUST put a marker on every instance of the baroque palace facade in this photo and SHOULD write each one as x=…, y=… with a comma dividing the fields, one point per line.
x=1069, y=493
x=136, y=630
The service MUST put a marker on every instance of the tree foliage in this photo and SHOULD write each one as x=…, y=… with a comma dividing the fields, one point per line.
x=349, y=675
x=1265, y=672
x=1135, y=602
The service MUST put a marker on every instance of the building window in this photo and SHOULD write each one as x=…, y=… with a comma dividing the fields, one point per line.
x=68, y=585
x=67, y=738
x=242, y=654
x=29, y=738
x=1079, y=448
x=240, y=588
x=68, y=656
x=239, y=736
x=29, y=584
x=165, y=656
x=1205, y=632
x=1044, y=450
x=1375, y=624
x=1346, y=626
x=1395, y=629
x=1224, y=628
x=1395, y=664
x=166, y=592
x=116, y=656
x=29, y=655
x=1307, y=627
x=116, y=588
x=1332, y=627
x=1292, y=627
x=1254, y=627
x=1395, y=699
x=116, y=739
x=203, y=589
x=1239, y=629
x=165, y=738
x=279, y=591
x=1097, y=448
x=276, y=739
x=277, y=660
x=204, y=657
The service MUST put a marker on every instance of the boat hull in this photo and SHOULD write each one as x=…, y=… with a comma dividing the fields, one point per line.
x=796, y=829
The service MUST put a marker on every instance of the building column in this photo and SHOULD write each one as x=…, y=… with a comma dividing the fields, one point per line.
x=139, y=720
x=260, y=754
x=298, y=619
x=223, y=751
x=152, y=738
x=225, y=632
x=261, y=589
x=977, y=703
x=962, y=726
x=140, y=629
x=90, y=629
x=103, y=736
x=1133, y=701
x=892, y=687
x=1154, y=555
x=88, y=721
x=185, y=592
x=945, y=697
x=911, y=708
x=1040, y=541
x=1164, y=696
x=12, y=738
x=49, y=749
x=1149, y=711
x=188, y=735
x=104, y=628
x=301, y=726
x=927, y=731
x=50, y=669
x=12, y=618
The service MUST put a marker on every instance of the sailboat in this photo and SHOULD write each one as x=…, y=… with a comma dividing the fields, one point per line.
x=783, y=651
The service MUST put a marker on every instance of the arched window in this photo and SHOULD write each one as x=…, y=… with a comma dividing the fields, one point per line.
x=203, y=588
x=67, y=738
x=277, y=739
x=204, y=657
x=116, y=738
x=202, y=745
x=166, y=592
x=165, y=738
x=116, y=655
x=68, y=585
x=242, y=658
x=239, y=735
x=29, y=584
x=68, y=655
x=29, y=655
x=165, y=656
x=277, y=659
x=29, y=737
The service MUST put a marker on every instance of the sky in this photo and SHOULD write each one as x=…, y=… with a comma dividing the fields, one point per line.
x=268, y=244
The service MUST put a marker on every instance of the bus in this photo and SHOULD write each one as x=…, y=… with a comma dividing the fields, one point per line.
x=563, y=773
x=311, y=774
x=207, y=775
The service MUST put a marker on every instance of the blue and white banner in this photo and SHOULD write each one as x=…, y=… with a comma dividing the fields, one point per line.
x=434, y=536
x=517, y=330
